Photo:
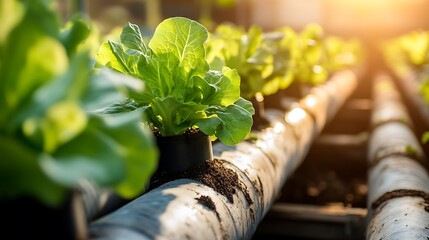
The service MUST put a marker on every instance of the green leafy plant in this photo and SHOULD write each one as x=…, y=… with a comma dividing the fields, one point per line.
x=342, y=53
x=181, y=91
x=409, y=54
x=51, y=136
x=321, y=55
x=262, y=60
x=281, y=44
x=425, y=137
x=312, y=60
x=424, y=86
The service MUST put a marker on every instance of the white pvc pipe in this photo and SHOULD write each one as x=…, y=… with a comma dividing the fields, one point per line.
x=262, y=164
x=398, y=184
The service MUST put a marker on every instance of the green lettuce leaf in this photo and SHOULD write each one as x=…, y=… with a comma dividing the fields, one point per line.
x=53, y=130
x=181, y=91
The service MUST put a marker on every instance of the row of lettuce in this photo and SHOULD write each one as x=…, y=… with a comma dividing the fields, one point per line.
x=75, y=108
x=409, y=54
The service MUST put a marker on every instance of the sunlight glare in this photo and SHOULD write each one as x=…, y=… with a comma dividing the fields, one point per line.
x=296, y=115
x=310, y=101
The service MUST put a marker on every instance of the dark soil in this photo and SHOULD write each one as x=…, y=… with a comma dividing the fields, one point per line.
x=329, y=176
x=213, y=174
x=189, y=131
x=324, y=187
x=401, y=193
x=208, y=202
x=333, y=172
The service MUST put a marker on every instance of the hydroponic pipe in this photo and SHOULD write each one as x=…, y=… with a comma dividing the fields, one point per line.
x=410, y=86
x=191, y=208
x=398, y=196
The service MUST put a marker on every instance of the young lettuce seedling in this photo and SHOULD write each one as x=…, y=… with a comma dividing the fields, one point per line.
x=181, y=91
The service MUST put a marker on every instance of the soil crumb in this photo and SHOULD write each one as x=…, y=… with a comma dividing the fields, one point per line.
x=213, y=174
x=208, y=202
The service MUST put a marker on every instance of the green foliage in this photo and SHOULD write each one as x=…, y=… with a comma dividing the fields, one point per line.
x=270, y=61
x=312, y=61
x=410, y=150
x=73, y=34
x=409, y=54
x=258, y=58
x=280, y=44
x=415, y=47
x=225, y=3
x=425, y=138
x=181, y=91
x=51, y=136
x=424, y=87
x=342, y=53
x=321, y=55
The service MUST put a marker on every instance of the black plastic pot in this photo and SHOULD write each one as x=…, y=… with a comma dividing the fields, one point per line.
x=179, y=153
x=27, y=218
x=259, y=118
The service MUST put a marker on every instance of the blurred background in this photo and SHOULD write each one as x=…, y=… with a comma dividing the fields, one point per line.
x=371, y=21
x=362, y=18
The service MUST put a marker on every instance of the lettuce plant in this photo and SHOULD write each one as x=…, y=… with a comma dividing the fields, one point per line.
x=342, y=53
x=232, y=46
x=281, y=43
x=51, y=137
x=312, y=63
x=409, y=54
x=181, y=92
